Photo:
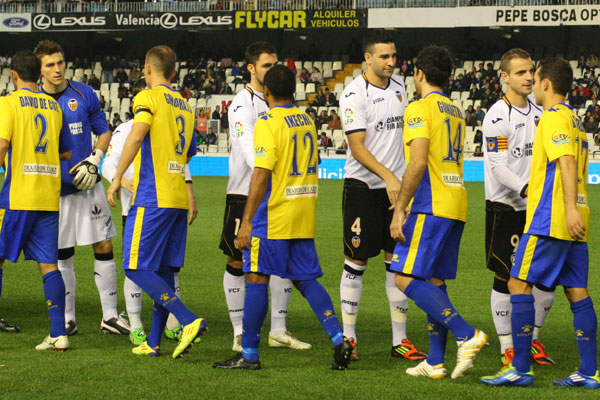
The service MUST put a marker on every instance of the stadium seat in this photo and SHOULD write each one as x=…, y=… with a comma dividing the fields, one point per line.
x=327, y=73
x=467, y=103
x=396, y=71
x=300, y=87
x=337, y=66
x=458, y=71
x=455, y=95
x=338, y=136
x=476, y=103
x=574, y=64
x=356, y=72
x=464, y=95
x=348, y=80
x=114, y=87
x=239, y=87
x=300, y=96
x=310, y=88
x=497, y=65
x=409, y=80
x=298, y=65
x=212, y=148
x=468, y=65
x=308, y=65
x=339, y=87
x=69, y=74
x=318, y=64
x=327, y=65
x=363, y=66
x=321, y=109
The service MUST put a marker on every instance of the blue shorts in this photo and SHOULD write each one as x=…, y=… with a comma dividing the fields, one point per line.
x=431, y=247
x=294, y=259
x=154, y=237
x=34, y=232
x=550, y=262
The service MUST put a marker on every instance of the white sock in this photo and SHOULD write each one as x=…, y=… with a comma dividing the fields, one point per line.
x=172, y=322
x=68, y=274
x=281, y=293
x=501, y=309
x=105, y=275
x=398, y=308
x=543, y=304
x=350, y=292
x=235, y=293
x=133, y=303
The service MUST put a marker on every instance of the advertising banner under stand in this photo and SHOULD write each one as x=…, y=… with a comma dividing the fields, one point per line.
x=15, y=22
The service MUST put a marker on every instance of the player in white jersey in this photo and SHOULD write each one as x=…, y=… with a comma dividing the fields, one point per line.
x=372, y=108
x=132, y=292
x=85, y=217
x=508, y=130
x=247, y=106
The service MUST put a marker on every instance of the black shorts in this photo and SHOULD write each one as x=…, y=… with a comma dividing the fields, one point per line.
x=503, y=230
x=234, y=210
x=367, y=220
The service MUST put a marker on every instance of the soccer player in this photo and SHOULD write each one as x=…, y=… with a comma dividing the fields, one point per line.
x=162, y=141
x=427, y=254
x=132, y=292
x=247, y=106
x=372, y=107
x=553, y=249
x=509, y=128
x=84, y=214
x=278, y=225
x=31, y=147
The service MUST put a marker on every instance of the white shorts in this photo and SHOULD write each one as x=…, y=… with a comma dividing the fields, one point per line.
x=85, y=218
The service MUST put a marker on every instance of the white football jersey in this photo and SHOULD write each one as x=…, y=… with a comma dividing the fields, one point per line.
x=245, y=109
x=380, y=113
x=508, y=133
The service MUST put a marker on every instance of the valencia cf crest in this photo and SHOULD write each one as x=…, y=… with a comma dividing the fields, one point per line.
x=399, y=96
x=356, y=241
x=73, y=104
x=536, y=120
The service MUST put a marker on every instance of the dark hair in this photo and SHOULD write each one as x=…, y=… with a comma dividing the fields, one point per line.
x=436, y=64
x=254, y=51
x=48, y=47
x=510, y=55
x=163, y=58
x=376, y=36
x=281, y=82
x=138, y=87
x=26, y=64
x=559, y=72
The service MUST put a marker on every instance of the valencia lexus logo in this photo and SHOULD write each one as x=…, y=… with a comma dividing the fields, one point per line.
x=15, y=22
x=172, y=21
x=43, y=21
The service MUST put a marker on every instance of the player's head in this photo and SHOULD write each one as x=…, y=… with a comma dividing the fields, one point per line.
x=25, y=66
x=517, y=71
x=52, y=59
x=279, y=85
x=260, y=56
x=433, y=67
x=380, y=52
x=160, y=62
x=553, y=77
x=138, y=87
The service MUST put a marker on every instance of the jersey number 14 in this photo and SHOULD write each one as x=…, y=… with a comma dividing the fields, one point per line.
x=454, y=143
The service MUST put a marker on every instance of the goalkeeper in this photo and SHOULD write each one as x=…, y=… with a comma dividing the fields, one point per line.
x=85, y=217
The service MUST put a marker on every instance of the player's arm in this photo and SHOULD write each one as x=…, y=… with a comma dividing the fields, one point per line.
x=419, y=152
x=65, y=156
x=568, y=175
x=4, y=145
x=193, y=208
x=258, y=188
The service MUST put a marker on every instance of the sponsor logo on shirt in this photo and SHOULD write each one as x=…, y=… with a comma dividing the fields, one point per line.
x=349, y=94
x=301, y=191
x=375, y=101
x=349, y=115
x=581, y=200
x=496, y=120
x=73, y=104
x=414, y=123
x=560, y=138
x=379, y=126
x=239, y=129
x=40, y=169
x=260, y=152
x=536, y=120
x=452, y=180
x=175, y=168
x=497, y=144
x=76, y=128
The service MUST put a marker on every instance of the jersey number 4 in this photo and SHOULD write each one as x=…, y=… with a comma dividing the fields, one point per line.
x=454, y=143
x=42, y=126
x=312, y=162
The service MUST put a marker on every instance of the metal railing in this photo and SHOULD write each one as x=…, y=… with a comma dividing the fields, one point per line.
x=21, y=6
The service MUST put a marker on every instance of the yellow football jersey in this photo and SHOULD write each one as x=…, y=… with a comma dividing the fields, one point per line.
x=560, y=133
x=32, y=123
x=159, y=165
x=441, y=192
x=285, y=142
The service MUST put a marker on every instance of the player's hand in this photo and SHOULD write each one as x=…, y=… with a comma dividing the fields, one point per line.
x=575, y=225
x=127, y=184
x=193, y=211
x=396, y=226
x=114, y=187
x=244, y=236
x=392, y=187
x=86, y=171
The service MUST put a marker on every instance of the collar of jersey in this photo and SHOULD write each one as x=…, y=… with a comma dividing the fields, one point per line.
x=284, y=106
x=29, y=90
x=565, y=104
x=171, y=89
x=436, y=92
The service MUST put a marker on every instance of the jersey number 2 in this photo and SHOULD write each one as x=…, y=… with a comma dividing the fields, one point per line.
x=312, y=163
x=42, y=125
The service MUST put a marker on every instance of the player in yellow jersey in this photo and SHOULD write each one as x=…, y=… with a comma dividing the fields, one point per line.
x=278, y=225
x=162, y=142
x=32, y=145
x=430, y=235
x=553, y=249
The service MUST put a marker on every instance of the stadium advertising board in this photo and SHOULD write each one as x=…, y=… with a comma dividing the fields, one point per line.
x=15, y=22
x=140, y=21
x=483, y=16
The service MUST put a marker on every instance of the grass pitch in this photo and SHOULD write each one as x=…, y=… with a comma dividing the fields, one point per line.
x=102, y=366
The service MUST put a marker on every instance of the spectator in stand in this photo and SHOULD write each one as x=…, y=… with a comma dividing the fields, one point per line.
x=497, y=89
x=127, y=116
x=592, y=107
x=342, y=147
x=224, y=88
x=309, y=109
x=211, y=138
x=236, y=70
x=410, y=66
x=116, y=119
x=488, y=99
x=313, y=115
x=470, y=119
x=335, y=122
x=322, y=119
x=582, y=64
x=330, y=100
x=305, y=76
x=470, y=109
x=102, y=103
x=592, y=61
x=135, y=74
x=574, y=98
x=324, y=141
x=474, y=93
x=590, y=123
x=316, y=76
x=478, y=137
x=123, y=92
x=584, y=93
x=5, y=61
x=189, y=79
x=479, y=115
x=225, y=119
x=490, y=72
x=404, y=68
x=216, y=113
x=226, y=62
x=291, y=64
x=94, y=82
x=185, y=92
x=84, y=79
x=107, y=69
x=478, y=152
x=319, y=99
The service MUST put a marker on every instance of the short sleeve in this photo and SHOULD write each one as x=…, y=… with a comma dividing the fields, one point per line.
x=558, y=137
x=6, y=119
x=144, y=107
x=97, y=116
x=353, y=111
x=193, y=149
x=416, y=122
x=265, y=151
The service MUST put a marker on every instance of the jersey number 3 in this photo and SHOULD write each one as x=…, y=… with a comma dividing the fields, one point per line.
x=180, y=145
x=42, y=126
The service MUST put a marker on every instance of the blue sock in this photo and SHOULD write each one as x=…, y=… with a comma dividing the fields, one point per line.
x=1, y=280
x=522, y=320
x=159, y=321
x=162, y=293
x=437, y=304
x=585, y=323
x=320, y=302
x=54, y=289
x=438, y=334
x=256, y=305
